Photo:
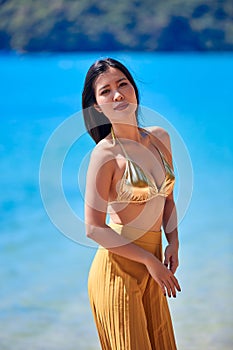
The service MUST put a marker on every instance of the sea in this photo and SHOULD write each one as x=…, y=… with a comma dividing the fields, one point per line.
x=44, y=151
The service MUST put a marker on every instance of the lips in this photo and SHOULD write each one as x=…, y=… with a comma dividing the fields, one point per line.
x=120, y=106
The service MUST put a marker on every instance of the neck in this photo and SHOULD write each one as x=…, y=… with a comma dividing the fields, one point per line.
x=127, y=131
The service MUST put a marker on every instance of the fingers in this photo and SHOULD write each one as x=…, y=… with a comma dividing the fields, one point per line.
x=166, y=259
x=171, y=285
x=164, y=277
x=163, y=288
x=171, y=258
x=176, y=283
x=171, y=291
x=172, y=264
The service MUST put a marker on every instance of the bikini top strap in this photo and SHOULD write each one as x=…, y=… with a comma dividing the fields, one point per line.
x=114, y=142
x=164, y=161
x=160, y=153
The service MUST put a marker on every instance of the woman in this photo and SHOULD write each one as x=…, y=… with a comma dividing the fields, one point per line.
x=130, y=178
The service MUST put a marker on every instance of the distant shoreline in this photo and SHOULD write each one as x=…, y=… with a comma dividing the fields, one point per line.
x=129, y=26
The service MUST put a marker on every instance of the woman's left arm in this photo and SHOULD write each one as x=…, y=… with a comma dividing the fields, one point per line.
x=169, y=215
x=170, y=228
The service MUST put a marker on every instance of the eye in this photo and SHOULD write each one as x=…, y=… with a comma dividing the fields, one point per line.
x=123, y=83
x=104, y=92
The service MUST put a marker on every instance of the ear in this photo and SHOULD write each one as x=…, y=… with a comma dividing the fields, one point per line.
x=97, y=107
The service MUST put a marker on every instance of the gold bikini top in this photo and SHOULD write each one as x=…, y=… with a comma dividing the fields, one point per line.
x=136, y=186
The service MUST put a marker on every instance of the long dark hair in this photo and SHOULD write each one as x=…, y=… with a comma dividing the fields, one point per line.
x=97, y=124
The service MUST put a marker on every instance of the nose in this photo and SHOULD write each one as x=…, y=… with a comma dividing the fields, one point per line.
x=117, y=96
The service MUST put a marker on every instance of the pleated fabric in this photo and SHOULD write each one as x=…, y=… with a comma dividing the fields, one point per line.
x=129, y=308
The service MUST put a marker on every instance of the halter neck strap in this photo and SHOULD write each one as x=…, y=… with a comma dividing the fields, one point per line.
x=114, y=138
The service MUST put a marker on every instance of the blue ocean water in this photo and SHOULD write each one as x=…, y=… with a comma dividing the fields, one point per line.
x=43, y=273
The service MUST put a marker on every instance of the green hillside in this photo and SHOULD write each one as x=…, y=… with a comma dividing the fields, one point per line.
x=84, y=25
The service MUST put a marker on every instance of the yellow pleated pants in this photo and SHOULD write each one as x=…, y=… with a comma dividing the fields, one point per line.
x=129, y=308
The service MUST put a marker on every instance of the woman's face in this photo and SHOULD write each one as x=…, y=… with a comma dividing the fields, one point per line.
x=115, y=95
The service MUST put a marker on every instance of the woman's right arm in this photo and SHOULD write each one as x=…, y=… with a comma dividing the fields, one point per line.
x=98, y=183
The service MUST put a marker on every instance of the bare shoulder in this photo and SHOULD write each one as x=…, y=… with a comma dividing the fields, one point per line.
x=162, y=140
x=102, y=152
x=160, y=134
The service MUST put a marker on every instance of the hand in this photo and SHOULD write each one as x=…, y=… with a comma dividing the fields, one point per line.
x=171, y=260
x=163, y=276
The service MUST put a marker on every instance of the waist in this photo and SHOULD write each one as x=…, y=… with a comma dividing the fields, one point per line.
x=138, y=235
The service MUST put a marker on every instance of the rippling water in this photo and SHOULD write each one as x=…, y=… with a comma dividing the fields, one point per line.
x=43, y=293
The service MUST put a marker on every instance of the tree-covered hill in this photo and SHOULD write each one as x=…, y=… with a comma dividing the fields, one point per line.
x=84, y=25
